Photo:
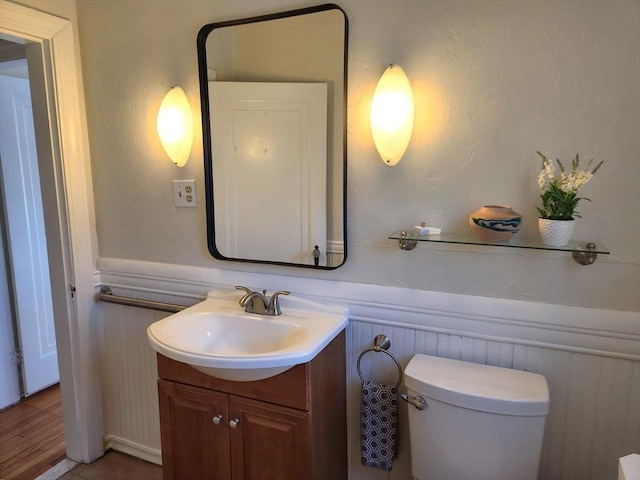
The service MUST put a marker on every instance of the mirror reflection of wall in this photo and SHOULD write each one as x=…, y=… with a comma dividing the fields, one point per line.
x=305, y=46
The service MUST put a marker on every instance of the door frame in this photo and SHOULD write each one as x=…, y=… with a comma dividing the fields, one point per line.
x=69, y=226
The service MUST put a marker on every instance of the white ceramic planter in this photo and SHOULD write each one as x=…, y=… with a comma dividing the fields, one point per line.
x=556, y=233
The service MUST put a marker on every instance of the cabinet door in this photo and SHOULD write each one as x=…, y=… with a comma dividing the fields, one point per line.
x=195, y=445
x=269, y=442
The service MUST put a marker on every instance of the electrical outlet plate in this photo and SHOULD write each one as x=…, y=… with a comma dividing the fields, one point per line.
x=184, y=193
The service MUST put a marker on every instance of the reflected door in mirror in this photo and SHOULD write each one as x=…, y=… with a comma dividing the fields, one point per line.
x=269, y=159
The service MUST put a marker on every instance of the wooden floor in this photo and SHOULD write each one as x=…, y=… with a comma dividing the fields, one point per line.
x=32, y=436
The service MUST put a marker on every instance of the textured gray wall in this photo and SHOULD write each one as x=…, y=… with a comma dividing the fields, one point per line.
x=494, y=81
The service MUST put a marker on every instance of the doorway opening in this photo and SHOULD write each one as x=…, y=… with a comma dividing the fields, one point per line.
x=28, y=359
x=28, y=350
x=68, y=204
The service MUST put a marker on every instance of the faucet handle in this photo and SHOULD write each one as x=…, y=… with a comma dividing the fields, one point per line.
x=244, y=298
x=274, y=304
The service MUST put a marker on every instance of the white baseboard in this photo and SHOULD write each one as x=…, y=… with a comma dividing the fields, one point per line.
x=143, y=452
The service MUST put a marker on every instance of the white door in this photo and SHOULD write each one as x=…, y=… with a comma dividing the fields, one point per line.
x=269, y=147
x=9, y=384
x=26, y=240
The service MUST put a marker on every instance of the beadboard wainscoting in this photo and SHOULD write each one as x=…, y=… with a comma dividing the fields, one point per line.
x=130, y=373
x=591, y=359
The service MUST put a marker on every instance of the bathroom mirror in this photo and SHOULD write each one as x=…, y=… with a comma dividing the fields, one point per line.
x=273, y=93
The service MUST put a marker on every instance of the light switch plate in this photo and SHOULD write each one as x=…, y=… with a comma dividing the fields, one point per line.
x=184, y=193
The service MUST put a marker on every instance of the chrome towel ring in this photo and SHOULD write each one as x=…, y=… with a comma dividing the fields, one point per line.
x=381, y=344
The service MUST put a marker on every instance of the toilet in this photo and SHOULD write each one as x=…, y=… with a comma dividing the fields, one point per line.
x=479, y=423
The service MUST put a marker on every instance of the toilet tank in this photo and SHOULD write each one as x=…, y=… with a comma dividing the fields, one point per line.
x=481, y=422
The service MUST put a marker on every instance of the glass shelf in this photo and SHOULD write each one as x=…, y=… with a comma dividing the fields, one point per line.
x=584, y=253
x=515, y=242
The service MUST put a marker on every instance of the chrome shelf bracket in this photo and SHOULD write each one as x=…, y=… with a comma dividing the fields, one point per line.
x=406, y=243
x=586, y=257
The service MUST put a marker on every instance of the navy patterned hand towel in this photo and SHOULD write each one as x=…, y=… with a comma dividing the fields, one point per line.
x=378, y=425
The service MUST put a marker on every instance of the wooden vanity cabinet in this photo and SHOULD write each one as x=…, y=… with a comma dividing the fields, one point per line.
x=192, y=445
x=288, y=427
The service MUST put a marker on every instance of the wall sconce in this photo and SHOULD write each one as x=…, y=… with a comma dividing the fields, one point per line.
x=392, y=115
x=175, y=126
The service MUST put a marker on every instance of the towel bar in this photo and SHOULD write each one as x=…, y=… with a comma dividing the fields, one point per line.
x=106, y=295
x=381, y=344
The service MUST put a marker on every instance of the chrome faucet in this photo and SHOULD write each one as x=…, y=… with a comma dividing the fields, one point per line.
x=256, y=302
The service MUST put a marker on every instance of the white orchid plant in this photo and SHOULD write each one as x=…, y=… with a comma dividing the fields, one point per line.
x=560, y=195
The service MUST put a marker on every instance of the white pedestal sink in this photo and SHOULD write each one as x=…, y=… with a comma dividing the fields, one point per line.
x=218, y=338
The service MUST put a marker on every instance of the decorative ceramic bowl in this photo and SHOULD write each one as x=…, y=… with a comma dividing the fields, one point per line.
x=495, y=223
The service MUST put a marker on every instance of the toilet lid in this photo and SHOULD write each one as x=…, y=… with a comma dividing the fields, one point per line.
x=478, y=387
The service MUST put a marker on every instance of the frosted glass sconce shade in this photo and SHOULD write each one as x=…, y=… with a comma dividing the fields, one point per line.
x=392, y=115
x=175, y=126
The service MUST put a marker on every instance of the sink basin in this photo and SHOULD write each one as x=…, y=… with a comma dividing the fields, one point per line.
x=219, y=338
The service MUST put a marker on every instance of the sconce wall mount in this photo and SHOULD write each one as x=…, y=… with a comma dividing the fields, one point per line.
x=175, y=126
x=392, y=113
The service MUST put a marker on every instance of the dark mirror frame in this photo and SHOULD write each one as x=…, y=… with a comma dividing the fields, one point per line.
x=206, y=128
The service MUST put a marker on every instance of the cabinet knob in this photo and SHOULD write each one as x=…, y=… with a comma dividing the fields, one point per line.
x=217, y=419
x=234, y=423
